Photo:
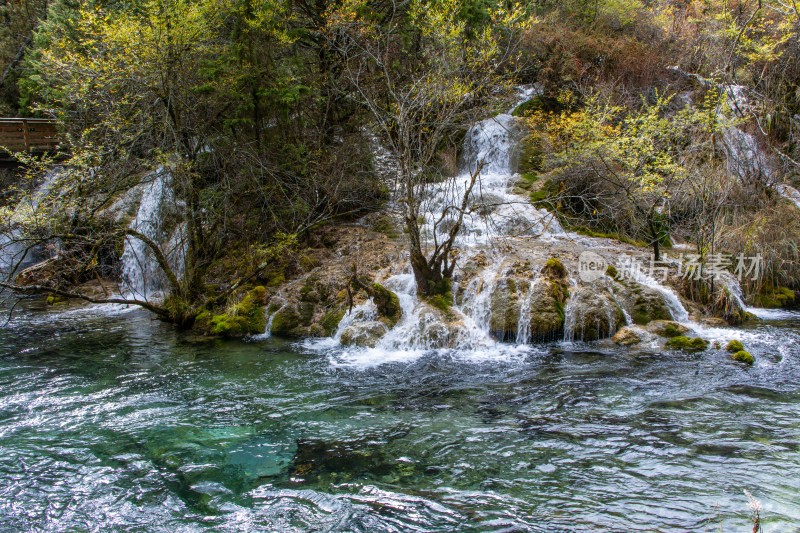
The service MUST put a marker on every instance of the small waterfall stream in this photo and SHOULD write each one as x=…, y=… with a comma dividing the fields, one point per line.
x=14, y=253
x=156, y=218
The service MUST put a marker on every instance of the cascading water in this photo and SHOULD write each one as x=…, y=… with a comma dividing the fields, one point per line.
x=490, y=147
x=142, y=276
x=14, y=252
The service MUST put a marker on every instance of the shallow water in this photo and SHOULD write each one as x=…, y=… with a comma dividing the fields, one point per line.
x=110, y=421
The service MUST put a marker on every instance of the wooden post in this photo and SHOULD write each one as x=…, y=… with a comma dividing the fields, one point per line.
x=25, y=135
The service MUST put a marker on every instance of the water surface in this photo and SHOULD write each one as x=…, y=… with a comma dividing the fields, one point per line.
x=111, y=421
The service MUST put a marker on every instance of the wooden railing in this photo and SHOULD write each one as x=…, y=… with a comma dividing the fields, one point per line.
x=35, y=135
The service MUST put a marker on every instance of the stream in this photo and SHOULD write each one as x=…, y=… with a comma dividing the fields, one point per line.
x=111, y=421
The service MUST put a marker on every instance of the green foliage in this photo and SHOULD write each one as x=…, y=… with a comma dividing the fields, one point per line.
x=743, y=357
x=611, y=271
x=682, y=342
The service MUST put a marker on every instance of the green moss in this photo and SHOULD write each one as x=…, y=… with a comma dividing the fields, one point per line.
x=286, y=321
x=331, y=321
x=441, y=295
x=611, y=271
x=54, y=299
x=245, y=318
x=785, y=296
x=387, y=302
x=554, y=268
x=440, y=302
x=276, y=279
x=735, y=346
x=671, y=330
x=541, y=198
x=774, y=298
x=685, y=343
x=743, y=357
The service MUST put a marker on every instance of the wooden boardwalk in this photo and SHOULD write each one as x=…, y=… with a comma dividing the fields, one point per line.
x=33, y=135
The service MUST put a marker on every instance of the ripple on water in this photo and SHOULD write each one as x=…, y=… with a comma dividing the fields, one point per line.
x=126, y=425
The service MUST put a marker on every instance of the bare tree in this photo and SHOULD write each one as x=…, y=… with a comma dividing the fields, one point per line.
x=423, y=73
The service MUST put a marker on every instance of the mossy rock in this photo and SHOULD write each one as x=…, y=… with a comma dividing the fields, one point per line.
x=649, y=306
x=685, y=343
x=331, y=321
x=743, y=357
x=674, y=330
x=245, y=318
x=505, y=310
x=775, y=298
x=387, y=302
x=611, y=271
x=286, y=322
x=735, y=346
x=547, y=309
x=595, y=314
x=554, y=269
x=54, y=299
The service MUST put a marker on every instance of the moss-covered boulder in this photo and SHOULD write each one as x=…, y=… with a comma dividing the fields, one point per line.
x=286, y=322
x=687, y=344
x=735, y=346
x=553, y=269
x=330, y=321
x=774, y=297
x=743, y=357
x=548, y=296
x=364, y=334
x=244, y=318
x=388, y=304
x=649, y=305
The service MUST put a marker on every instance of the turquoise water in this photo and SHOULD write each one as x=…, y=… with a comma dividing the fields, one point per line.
x=110, y=421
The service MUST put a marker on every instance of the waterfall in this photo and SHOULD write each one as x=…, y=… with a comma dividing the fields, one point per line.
x=676, y=308
x=745, y=157
x=15, y=254
x=524, y=323
x=142, y=276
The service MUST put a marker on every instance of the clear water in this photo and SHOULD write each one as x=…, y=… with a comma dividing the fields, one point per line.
x=110, y=421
